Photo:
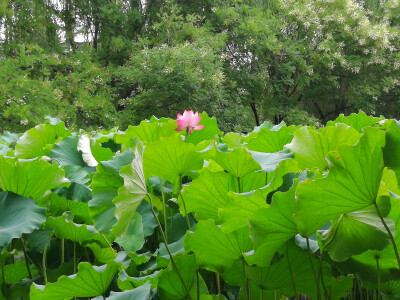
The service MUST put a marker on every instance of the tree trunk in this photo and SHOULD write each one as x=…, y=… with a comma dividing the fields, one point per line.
x=254, y=109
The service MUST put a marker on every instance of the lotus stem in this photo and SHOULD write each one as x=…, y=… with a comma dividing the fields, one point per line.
x=291, y=271
x=184, y=204
x=321, y=277
x=44, y=264
x=74, y=257
x=244, y=281
x=26, y=258
x=109, y=245
x=396, y=252
x=219, y=286
x=3, y=274
x=379, y=278
x=168, y=250
x=164, y=209
x=198, y=284
x=313, y=269
x=62, y=250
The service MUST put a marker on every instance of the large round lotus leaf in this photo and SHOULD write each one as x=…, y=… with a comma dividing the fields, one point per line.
x=30, y=178
x=131, y=193
x=238, y=162
x=18, y=215
x=206, y=194
x=351, y=185
x=147, y=132
x=357, y=121
x=90, y=281
x=271, y=141
x=310, y=146
x=38, y=141
x=105, y=185
x=170, y=158
x=215, y=249
x=271, y=227
x=356, y=232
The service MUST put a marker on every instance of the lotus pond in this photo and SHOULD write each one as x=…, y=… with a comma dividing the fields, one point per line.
x=156, y=213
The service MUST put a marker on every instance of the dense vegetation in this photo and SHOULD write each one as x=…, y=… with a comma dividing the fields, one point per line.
x=152, y=213
x=243, y=61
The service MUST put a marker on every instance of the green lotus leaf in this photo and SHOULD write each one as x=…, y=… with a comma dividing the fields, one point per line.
x=241, y=207
x=272, y=227
x=269, y=161
x=131, y=194
x=38, y=240
x=356, y=232
x=214, y=249
x=105, y=185
x=30, y=178
x=210, y=130
x=170, y=158
x=233, y=140
x=341, y=287
x=149, y=223
x=271, y=141
x=277, y=276
x=103, y=255
x=356, y=121
x=206, y=194
x=391, y=289
x=38, y=141
x=311, y=147
x=126, y=282
x=92, y=152
x=18, y=215
x=391, y=151
x=170, y=286
x=238, y=162
x=66, y=153
x=17, y=271
x=249, y=182
x=143, y=293
x=80, y=233
x=147, y=132
x=57, y=205
x=351, y=185
x=90, y=281
x=132, y=239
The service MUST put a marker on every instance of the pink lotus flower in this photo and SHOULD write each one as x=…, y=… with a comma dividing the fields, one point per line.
x=189, y=120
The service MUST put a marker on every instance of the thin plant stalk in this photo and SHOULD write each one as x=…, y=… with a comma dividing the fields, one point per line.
x=239, y=186
x=198, y=284
x=291, y=271
x=109, y=245
x=378, y=292
x=26, y=258
x=321, y=277
x=244, y=281
x=313, y=269
x=2, y=267
x=3, y=273
x=219, y=286
x=44, y=264
x=74, y=257
x=396, y=252
x=167, y=248
x=164, y=209
x=183, y=201
x=62, y=250
x=360, y=289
